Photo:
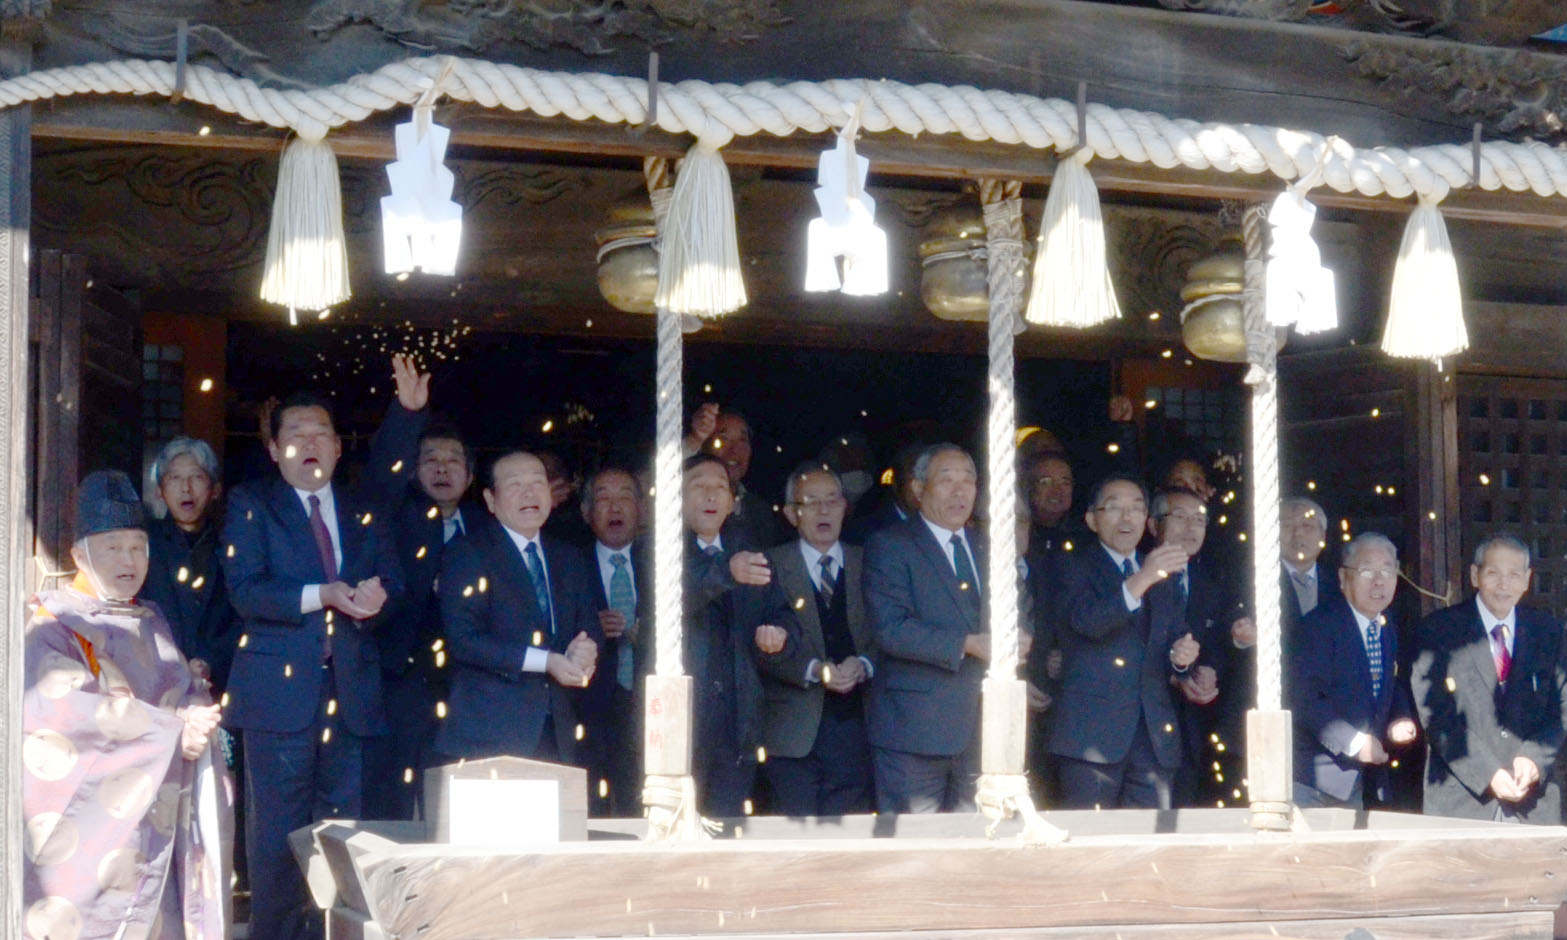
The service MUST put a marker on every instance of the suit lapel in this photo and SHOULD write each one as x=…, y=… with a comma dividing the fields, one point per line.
x=797, y=584
x=859, y=629
x=294, y=523
x=350, y=531
x=936, y=556
x=1478, y=650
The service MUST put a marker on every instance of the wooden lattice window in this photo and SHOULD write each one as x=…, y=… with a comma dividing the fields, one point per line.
x=1512, y=458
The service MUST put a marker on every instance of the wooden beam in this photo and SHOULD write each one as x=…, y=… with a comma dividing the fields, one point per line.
x=930, y=156
x=755, y=885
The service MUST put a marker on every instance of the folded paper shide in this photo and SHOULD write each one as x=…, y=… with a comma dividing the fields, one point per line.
x=847, y=229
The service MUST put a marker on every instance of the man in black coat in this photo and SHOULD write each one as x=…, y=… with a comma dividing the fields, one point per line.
x=184, y=572
x=1488, y=682
x=620, y=568
x=421, y=472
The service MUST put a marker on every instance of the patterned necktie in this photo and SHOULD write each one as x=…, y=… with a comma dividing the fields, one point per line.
x=964, y=567
x=1504, y=659
x=541, y=585
x=1305, y=590
x=323, y=539
x=623, y=599
x=1374, y=655
x=829, y=583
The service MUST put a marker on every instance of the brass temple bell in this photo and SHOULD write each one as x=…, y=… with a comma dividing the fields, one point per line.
x=627, y=260
x=1213, y=322
x=955, y=276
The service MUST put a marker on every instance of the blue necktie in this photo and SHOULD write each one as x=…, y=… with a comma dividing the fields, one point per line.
x=961, y=563
x=1126, y=568
x=623, y=599
x=541, y=585
x=1374, y=655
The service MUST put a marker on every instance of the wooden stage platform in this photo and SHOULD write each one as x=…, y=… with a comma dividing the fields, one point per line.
x=1125, y=874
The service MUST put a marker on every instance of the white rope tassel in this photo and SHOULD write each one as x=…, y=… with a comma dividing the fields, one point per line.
x=699, y=259
x=1071, y=277
x=671, y=811
x=1425, y=315
x=307, y=261
x=1002, y=795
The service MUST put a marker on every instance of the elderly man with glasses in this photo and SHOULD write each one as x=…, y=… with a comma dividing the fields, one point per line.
x=1348, y=704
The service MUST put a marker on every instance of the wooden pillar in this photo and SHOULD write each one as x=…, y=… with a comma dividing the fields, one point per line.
x=15, y=205
x=1434, y=511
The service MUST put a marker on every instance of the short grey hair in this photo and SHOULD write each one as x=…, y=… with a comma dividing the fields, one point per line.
x=1364, y=541
x=1306, y=507
x=194, y=448
x=602, y=472
x=798, y=474
x=922, y=464
x=1161, y=501
x=1502, y=540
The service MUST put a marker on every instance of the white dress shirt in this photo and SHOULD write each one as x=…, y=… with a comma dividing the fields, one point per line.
x=1132, y=603
x=1489, y=621
x=310, y=594
x=944, y=538
x=452, y=525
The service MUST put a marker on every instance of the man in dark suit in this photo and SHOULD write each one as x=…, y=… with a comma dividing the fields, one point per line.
x=1488, y=682
x=722, y=620
x=1115, y=736
x=923, y=596
x=1345, y=692
x=1303, y=583
x=813, y=720
x=521, y=626
x=623, y=595
x=421, y=472
x=311, y=571
x=185, y=573
x=753, y=514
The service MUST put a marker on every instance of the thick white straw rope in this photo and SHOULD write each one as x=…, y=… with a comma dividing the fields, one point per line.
x=715, y=113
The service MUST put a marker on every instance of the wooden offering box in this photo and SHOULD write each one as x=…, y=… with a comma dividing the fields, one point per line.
x=1124, y=874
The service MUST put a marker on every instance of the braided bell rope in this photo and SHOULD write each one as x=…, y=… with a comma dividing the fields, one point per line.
x=715, y=113
x=1000, y=796
x=1003, y=209
x=1262, y=353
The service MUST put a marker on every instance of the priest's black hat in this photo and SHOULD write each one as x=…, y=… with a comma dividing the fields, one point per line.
x=107, y=500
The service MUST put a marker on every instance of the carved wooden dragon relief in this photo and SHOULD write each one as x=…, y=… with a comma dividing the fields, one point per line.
x=588, y=26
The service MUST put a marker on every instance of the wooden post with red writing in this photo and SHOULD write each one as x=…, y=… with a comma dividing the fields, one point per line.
x=667, y=735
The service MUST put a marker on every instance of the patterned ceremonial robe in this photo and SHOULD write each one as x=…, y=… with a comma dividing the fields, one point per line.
x=125, y=837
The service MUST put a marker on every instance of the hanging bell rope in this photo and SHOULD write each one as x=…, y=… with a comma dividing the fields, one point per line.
x=1071, y=284
x=1003, y=786
x=1425, y=315
x=669, y=791
x=699, y=253
x=306, y=265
